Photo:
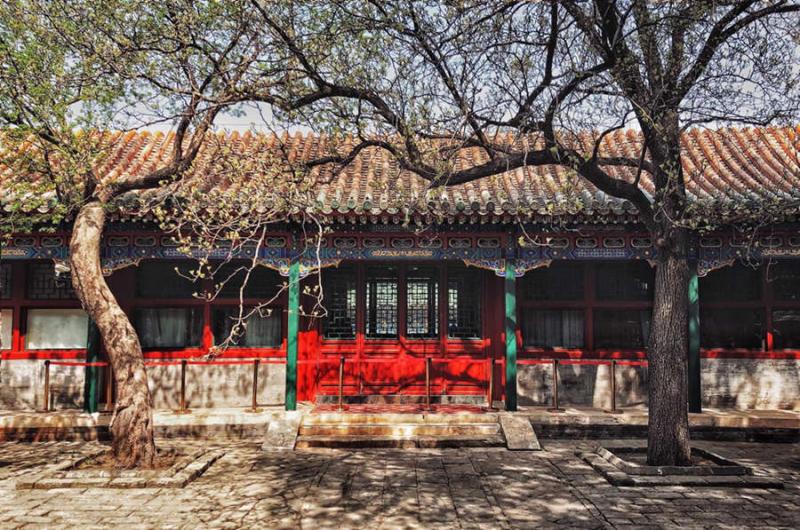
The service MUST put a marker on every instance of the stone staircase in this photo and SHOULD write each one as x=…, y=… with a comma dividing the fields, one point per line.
x=399, y=431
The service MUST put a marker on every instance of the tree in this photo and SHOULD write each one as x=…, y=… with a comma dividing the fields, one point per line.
x=72, y=72
x=544, y=83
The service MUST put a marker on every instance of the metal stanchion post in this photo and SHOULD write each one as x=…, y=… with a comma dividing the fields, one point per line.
x=109, y=388
x=46, y=407
x=341, y=383
x=555, y=407
x=254, y=407
x=613, y=376
x=428, y=383
x=491, y=384
x=183, y=409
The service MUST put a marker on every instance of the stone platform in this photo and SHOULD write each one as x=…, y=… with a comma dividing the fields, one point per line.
x=235, y=423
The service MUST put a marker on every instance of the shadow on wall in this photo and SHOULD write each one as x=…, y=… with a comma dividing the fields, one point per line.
x=22, y=385
x=581, y=385
x=216, y=386
x=751, y=383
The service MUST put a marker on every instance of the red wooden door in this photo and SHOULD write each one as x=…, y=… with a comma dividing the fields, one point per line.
x=384, y=321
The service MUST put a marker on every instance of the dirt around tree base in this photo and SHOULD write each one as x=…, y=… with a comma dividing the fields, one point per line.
x=166, y=458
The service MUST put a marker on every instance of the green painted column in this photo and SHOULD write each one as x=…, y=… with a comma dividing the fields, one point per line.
x=91, y=383
x=511, y=337
x=293, y=327
x=695, y=395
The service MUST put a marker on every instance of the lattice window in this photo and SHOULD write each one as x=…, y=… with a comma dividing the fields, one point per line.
x=553, y=328
x=562, y=280
x=621, y=328
x=464, y=304
x=160, y=280
x=381, y=292
x=737, y=283
x=633, y=280
x=732, y=328
x=263, y=283
x=261, y=330
x=43, y=284
x=340, y=303
x=169, y=327
x=422, y=303
x=5, y=281
x=785, y=279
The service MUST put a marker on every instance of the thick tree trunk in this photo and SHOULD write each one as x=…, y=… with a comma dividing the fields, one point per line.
x=668, y=424
x=132, y=423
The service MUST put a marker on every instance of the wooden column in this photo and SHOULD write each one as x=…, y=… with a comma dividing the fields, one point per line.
x=511, y=337
x=91, y=383
x=293, y=326
x=695, y=394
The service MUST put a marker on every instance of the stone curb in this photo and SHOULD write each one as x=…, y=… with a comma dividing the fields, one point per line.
x=617, y=477
x=172, y=478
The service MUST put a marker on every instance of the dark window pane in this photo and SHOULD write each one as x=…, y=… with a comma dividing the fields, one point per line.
x=5, y=281
x=161, y=280
x=615, y=329
x=631, y=280
x=340, y=303
x=43, y=284
x=735, y=283
x=422, y=303
x=785, y=279
x=786, y=328
x=732, y=328
x=381, y=292
x=464, y=304
x=169, y=327
x=553, y=328
x=262, y=284
x=261, y=330
x=562, y=280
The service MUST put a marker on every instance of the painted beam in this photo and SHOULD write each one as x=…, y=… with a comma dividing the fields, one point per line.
x=695, y=391
x=511, y=337
x=91, y=383
x=293, y=327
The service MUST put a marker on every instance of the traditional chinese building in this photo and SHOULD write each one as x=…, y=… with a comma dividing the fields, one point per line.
x=461, y=292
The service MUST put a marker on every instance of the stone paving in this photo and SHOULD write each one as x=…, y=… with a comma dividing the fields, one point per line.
x=478, y=488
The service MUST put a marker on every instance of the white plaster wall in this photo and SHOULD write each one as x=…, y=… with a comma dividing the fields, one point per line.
x=751, y=383
x=22, y=385
x=726, y=383
x=217, y=386
x=581, y=385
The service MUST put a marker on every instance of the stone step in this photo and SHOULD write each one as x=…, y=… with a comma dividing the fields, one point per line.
x=400, y=429
x=398, y=442
x=345, y=418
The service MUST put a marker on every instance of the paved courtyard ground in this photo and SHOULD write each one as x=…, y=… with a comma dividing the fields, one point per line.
x=463, y=489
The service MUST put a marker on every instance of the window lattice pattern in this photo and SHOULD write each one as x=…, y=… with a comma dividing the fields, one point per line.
x=340, y=303
x=42, y=283
x=5, y=281
x=624, y=281
x=263, y=283
x=422, y=304
x=737, y=283
x=464, y=305
x=562, y=280
x=625, y=328
x=161, y=280
x=785, y=279
x=381, y=303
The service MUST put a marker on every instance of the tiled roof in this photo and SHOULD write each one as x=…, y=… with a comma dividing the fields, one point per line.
x=725, y=165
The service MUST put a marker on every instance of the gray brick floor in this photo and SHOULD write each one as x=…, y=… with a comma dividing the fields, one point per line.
x=391, y=489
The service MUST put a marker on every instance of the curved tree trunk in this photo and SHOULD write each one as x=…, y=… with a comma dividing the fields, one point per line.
x=668, y=418
x=132, y=423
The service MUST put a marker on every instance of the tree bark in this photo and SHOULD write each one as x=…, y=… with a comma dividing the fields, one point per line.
x=668, y=419
x=132, y=433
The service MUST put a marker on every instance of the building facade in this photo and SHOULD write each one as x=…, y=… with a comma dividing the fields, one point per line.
x=468, y=297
